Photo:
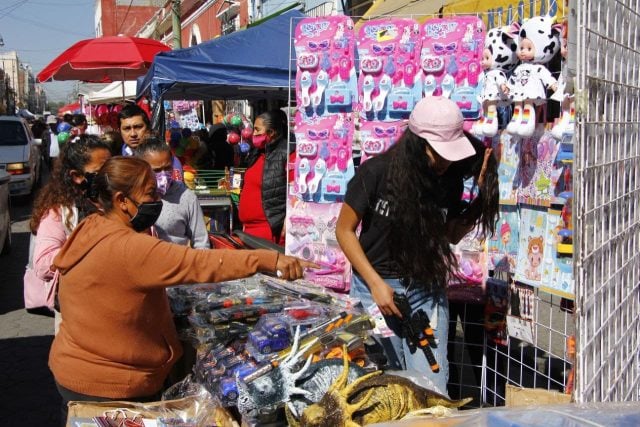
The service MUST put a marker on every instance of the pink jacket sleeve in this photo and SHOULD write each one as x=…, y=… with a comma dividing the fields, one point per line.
x=49, y=240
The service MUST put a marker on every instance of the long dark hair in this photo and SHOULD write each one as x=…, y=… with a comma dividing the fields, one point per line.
x=61, y=190
x=418, y=239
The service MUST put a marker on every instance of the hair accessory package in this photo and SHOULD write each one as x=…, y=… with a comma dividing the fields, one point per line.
x=324, y=164
x=450, y=61
x=389, y=83
x=326, y=80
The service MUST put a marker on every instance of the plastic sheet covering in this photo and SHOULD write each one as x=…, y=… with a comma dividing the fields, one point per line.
x=570, y=415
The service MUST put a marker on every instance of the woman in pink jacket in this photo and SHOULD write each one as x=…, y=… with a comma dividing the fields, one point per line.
x=62, y=202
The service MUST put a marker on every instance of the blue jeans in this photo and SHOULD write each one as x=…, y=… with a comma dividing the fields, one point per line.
x=395, y=348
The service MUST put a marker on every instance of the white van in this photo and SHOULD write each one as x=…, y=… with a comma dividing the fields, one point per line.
x=20, y=155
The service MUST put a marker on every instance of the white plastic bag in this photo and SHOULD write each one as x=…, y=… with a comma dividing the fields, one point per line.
x=54, y=148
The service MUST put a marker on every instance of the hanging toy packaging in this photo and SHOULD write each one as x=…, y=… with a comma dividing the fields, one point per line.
x=450, y=61
x=498, y=60
x=378, y=137
x=389, y=83
x=538, y=43
x=323, y=164
x=326, y=77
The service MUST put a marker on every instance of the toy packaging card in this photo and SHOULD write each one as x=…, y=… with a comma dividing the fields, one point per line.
x=532, y=248
x=467, y=284
x=389, y=83
x=450, y=61
x=557, y=274
x=311, y=236
x=507, y=149
x=377, y=137
x=324, y=164
x=537, y=155
x=326, y=79
x=503, y=246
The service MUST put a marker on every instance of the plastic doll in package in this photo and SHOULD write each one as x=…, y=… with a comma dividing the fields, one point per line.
x=538, y=43
x=498, y=59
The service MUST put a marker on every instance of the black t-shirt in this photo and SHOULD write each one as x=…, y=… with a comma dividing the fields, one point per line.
x=367, y=195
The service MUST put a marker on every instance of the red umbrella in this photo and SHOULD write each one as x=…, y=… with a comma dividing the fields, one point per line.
x=104, y=60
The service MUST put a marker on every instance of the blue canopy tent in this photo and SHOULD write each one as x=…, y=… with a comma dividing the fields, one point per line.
x=249, y=64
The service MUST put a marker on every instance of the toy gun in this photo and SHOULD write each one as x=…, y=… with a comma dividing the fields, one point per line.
x=416, y=329
x=319, y=337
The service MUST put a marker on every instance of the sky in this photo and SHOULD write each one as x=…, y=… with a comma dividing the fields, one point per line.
x=39, y=30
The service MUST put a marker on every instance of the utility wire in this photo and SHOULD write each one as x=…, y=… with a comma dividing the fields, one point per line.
x=125, y=17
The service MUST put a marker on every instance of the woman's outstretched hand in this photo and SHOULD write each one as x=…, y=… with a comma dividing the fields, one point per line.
x=292, y=268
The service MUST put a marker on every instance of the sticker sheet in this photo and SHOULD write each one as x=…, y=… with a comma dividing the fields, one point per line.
x=495, y=311
x=503, y=247
x=311, y=235
x=326, y=80
x=450, y=61
x=558, y=270
x=532, y=247
x=507, y=149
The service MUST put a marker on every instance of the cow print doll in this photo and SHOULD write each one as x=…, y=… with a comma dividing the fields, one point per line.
x=538, y=43
x=499, y=58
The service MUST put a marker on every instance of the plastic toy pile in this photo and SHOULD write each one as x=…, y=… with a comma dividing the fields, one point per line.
x=275, y=348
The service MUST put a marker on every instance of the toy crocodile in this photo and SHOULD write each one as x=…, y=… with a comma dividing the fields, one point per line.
x=370, y=399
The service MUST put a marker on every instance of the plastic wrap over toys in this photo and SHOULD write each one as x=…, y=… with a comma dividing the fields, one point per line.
x=239, y=131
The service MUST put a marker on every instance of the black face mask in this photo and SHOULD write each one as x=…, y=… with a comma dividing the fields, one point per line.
x=147, y=215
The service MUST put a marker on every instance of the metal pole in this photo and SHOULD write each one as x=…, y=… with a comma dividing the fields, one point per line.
x=176, y=27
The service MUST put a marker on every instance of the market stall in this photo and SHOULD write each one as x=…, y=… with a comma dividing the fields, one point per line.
x=540, y=307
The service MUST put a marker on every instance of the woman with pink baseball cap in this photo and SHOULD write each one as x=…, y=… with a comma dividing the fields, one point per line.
x=409, y=204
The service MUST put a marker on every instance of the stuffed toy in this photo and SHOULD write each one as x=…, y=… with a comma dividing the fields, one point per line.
x=538, y=43
x=564, y=94
x=498, y=59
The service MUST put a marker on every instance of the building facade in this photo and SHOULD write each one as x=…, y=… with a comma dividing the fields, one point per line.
x=113, y=17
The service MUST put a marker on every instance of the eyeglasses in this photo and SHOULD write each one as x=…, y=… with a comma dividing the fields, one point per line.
x=390, y=131
x=383, y=49
x=322, y=134
x=441, y=48
x=323, y=45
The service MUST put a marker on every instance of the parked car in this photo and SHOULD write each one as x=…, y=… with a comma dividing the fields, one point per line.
x=5, y=218
x=20, y=155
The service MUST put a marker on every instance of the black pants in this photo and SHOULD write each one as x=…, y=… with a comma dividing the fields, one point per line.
x=72, y=396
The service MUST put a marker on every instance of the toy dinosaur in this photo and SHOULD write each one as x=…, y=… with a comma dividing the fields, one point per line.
x=296, y=389
x=370, y=399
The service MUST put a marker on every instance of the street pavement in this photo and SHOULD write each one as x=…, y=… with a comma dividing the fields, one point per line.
x=29, y=396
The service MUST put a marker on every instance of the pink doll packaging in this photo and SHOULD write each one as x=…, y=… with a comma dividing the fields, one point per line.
x=536, y=171
x=326, y=79
x=389, y=82
x=450, y=60
x=377, y=137
x=310, y=229
x=324, y=164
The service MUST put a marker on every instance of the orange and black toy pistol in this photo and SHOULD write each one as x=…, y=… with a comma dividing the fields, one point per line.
x=416, y=329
